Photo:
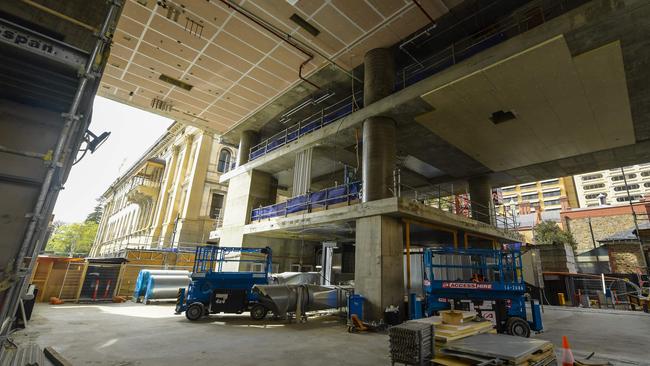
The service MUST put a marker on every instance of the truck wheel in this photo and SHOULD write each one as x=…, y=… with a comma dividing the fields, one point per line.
x=518, y=327
x=258, y=312
x=195, y=311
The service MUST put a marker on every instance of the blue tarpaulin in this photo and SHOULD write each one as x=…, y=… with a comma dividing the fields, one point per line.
x=306, y=202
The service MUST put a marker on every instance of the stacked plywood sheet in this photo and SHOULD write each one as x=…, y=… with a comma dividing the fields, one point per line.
x=465, y=325
x=411, y=343
x=508, y=350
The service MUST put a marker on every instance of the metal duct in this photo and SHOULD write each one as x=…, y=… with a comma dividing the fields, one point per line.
x=145, y=274
x=165, y=287
x=297, y=278
x=302, y=172
x=283, y=299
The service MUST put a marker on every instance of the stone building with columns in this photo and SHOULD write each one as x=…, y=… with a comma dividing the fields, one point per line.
x=170, y=198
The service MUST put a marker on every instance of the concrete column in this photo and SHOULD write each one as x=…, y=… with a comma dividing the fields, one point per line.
x=245, y=191
x=480, y=194
x=302, y=172
x=379, y=258
x=247, y=140
x=378, y=132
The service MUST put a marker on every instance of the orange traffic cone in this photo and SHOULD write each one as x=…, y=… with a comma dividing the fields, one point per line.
x=567, y=355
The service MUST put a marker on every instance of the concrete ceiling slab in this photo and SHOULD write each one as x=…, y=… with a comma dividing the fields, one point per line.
x=562, y=106
x=234, y=66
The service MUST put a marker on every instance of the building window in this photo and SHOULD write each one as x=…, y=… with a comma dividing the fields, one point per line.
x=646, y=173
x=593, y=186
x=646, y=184
x=508, y=189
x=216, y=204
x=626, y=198
x=224, y=161
x=528, y=185
x=529, y=197
x=591, y=177
x=616, y=178
x=624, y=188
x=551, y=202
x=551, y=194
x=592, y=196
x=550, y=182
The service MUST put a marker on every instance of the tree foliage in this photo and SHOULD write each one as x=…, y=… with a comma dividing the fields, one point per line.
x=548, y=232
x=96, y=215
x=73, y=239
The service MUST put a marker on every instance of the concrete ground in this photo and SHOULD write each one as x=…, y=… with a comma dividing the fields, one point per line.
x=621, y=337
x=135, y=334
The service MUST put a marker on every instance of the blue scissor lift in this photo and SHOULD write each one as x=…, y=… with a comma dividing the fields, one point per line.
x=480, y=275
x=214, y=290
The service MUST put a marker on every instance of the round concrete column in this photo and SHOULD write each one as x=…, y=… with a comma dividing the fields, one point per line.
x=378, y=132
x=247, y=139
x=480, y=195
x=379, y=75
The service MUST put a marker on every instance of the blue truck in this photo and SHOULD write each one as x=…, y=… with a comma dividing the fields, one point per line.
x=214, y=290
x=479, y=275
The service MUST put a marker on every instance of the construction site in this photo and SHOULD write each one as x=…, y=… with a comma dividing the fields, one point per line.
x=342, y=182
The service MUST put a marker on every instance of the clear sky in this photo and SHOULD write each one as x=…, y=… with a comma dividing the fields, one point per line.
x=133, y=131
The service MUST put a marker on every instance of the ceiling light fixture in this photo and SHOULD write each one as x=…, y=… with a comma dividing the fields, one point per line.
x=302, y=23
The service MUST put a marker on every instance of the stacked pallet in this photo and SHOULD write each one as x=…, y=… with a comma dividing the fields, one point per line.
x=486, y=348
x=411, y=343
x=454, y=325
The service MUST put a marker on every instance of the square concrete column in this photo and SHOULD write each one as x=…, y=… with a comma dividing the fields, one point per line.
x=245, y=191
x=480, y=195
x=379, y=262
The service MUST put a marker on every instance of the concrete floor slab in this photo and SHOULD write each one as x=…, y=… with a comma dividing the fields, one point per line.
x=135, y=334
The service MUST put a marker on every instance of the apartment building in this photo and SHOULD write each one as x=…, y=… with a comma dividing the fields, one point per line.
x=609, y=185
x=171, y=197
x=545, y=195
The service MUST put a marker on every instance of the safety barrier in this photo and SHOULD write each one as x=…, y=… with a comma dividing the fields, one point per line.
x=326, y=116
x=321, y=199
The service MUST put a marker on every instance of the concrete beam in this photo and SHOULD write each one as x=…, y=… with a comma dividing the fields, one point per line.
x=293, y=225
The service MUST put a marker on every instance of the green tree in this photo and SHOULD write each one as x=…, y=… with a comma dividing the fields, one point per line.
x=72, y=239
x=96, y=215
x=548, y=232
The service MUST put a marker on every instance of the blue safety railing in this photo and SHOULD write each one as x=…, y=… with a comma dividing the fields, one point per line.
x=211, y=258
x=312, y=123
x=306, y=202
x=536, y=14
